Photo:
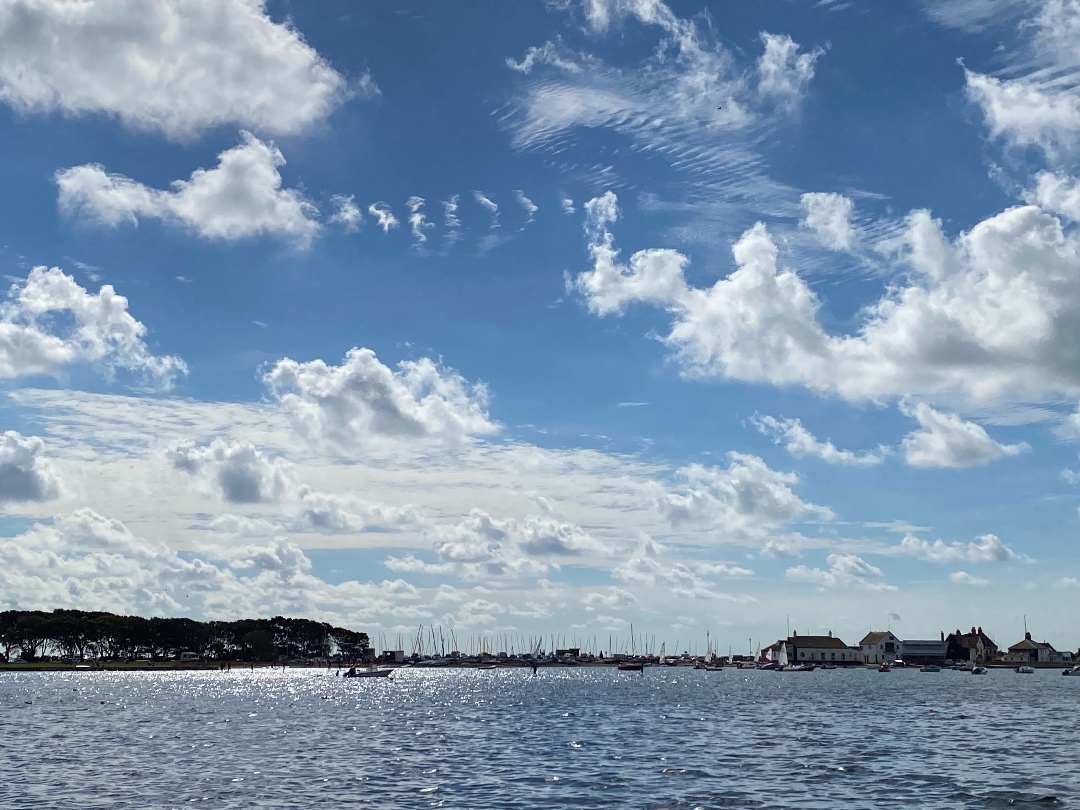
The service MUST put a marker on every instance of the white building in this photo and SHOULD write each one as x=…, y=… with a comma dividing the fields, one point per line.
x=881, y=648
x=814, y=649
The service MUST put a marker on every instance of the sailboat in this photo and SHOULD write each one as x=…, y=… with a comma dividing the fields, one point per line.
x=785, y=666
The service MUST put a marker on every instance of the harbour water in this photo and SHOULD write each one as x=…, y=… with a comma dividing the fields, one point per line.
x=566, y=738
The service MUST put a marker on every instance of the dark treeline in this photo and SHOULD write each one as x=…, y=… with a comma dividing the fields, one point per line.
x=89, y=635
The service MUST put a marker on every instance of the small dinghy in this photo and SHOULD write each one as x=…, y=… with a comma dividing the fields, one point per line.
x=1026, y=670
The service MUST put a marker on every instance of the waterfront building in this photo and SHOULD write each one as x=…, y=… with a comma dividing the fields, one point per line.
x=975, y=646
x=920, y=652
x=1033, y=652
x=880, y=647
x=814, y=649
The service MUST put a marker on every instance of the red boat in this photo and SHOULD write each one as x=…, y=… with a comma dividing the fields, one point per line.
x=883, y=668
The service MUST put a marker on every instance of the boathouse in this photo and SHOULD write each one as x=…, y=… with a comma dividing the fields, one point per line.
x=814, y=649
x=880, y=647
x=1033, y=652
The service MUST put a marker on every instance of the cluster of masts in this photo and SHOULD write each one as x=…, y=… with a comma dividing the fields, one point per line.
x=435, y=641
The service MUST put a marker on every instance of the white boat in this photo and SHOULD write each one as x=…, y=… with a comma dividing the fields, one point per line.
x=1074, y=671
x=1026, y=670
x=978, y=670
x=372, y=672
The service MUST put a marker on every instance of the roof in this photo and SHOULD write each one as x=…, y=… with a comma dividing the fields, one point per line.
x=930, y=644
x=874, y=638
x=1028, y=644
x=819, y=642
x=971, y=640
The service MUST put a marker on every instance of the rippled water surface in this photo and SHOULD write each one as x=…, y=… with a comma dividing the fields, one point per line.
x=566, y=738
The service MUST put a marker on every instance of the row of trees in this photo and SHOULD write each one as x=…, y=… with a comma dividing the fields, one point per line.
x=81, y=634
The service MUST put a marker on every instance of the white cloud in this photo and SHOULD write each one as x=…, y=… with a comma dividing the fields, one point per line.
x=25, y=473
x=988, y=548
x=342, y=407
x=743, y=503
x=964, y=578
x=981, y=320
x=844, y=571
x=1027, y=115
x=385, y=216
x=49, y=323
x=480, y=547
x=567, y=205
x=529, y=206
x=650, y=565
x=417, y=219
x=1058, y=193
x=783, y=72
x=944, y=440
x=488, y=205
x=346, y=213
x=240, y=198
x=829, y=217
x=692, y=102
x=608, y=599
x=1070, y=476
x=1037, y=105
x=174, y=68
x=800, y=443
x=238, y=472
x=547, y=54
x=86, y=561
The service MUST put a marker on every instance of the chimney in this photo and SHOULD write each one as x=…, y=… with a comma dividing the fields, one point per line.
x=793, y=635
x=980, y=630
x=1027, y=636
x=972, y=631
x=942, y=635
x=830, y=634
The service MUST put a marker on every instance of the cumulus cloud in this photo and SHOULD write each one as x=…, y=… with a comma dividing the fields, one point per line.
x=238, y=472
x=174, y=68
x=480, y=547
x=346, y=213
x=488, y=205
x=987, y=548
x=242, y=474
x=240, y=198
x=567, y=205
x=49, y=323
x=341, y=407
x=86, y=561
x=800, y=443
x=385, y=216
x=743, y=503
x=984, y=320
x=784, y=72
x=964, y=578
x=650, y=565
x=944, y=440
x=1058, y=193
x=844, y=571
x=828, y=216
x=417, y=219
x=26, y=475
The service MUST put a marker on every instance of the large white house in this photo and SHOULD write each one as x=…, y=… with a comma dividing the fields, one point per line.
x=881, y=648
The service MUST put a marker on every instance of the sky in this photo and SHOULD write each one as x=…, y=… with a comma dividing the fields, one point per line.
x=705, y=319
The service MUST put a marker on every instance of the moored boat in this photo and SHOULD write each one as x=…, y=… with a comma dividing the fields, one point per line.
x=978, y=670
x=1026, y=670
x=884, y=668
x=628, y=666
x=1074, y=671
x=930, y=668
x=353, y=672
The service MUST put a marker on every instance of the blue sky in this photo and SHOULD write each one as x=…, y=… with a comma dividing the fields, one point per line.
x=706, y=316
